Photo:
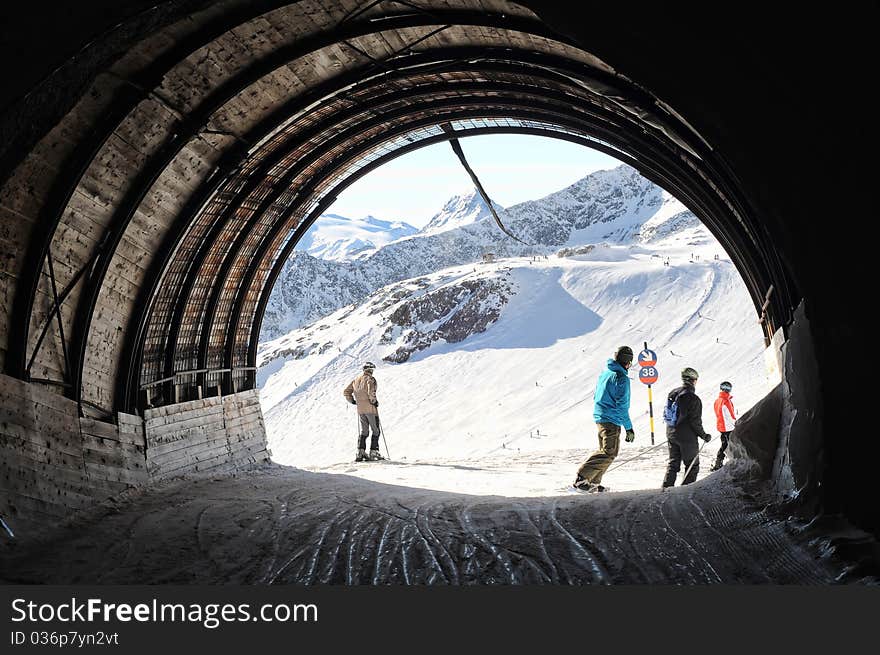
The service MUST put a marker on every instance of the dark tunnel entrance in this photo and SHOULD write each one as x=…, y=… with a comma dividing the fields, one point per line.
x=147, y=209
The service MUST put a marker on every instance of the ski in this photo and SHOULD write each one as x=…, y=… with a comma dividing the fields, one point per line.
x=597, y=489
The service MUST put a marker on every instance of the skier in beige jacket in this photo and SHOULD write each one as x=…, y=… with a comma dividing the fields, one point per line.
x=362, y=392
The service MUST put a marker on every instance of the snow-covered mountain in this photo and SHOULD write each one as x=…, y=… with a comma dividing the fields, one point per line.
x=459, y=211
x=486, y=369
x=481, y=362
x=309, y=288
x=617, y=205
x=338, y=238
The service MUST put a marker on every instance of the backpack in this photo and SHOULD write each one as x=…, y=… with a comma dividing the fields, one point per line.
x=670, y=412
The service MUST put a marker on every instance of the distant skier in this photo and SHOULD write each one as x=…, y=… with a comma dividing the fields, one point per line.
x=684, y=425
x=610, y=411
x=362, y=392
x=726, y=417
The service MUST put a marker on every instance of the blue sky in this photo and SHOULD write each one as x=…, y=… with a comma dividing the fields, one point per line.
x=512, y=169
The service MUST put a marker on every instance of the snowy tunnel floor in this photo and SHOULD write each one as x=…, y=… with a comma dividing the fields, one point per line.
x=281, y=525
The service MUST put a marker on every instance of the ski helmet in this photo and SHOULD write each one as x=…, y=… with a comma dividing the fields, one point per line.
x=726, y=386
x=369, y=366
x=689, y=374
x=623, y=355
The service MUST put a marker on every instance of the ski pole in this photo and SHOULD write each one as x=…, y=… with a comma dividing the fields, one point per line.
x=382, y=432
x=611, y=468
x=695, y=459
x=6, y=527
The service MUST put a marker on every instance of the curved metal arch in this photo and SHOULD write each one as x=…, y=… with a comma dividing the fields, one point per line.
x=664, y=182
x=133, y=347
x=516, y=66
x=569, y=62
x=493, y=98
x=512, y=109
x=544, y=116
x=656, y=176
x=187, y=129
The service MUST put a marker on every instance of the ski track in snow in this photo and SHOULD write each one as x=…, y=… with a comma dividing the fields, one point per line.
x=701, y=304
x=286, y=526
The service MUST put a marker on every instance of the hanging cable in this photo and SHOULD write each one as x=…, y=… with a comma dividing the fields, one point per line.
x=456, y=148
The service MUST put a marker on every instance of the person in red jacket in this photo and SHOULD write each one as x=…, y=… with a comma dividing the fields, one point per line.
x=726, y=418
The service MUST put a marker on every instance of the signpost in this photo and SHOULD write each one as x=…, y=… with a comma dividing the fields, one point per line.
x=648, y=374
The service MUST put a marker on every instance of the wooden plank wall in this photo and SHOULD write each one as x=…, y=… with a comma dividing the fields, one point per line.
x=212, y=434
x=53, y=462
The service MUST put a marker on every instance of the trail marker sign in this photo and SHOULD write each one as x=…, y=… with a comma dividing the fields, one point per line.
x=647, y=358
x=648, y=374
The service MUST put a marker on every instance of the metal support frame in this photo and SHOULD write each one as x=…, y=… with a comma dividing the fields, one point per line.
x=190, y=128
x=57, y=308
x=135, y=92
x=228, y=353
x=59, y=299
x=175, y=381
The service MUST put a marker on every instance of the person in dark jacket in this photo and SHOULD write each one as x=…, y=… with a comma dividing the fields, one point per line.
x=682, y=437
x=610, y=411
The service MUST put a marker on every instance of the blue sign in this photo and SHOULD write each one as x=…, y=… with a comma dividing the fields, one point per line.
x=647, y=358
x=648, y=375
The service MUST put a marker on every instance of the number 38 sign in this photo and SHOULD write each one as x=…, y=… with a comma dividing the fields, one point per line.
x=648, y=374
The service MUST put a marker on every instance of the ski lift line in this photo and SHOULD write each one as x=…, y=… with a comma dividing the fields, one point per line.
x=456, y=148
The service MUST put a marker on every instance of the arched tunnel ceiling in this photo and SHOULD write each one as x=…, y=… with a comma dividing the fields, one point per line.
x=159, y=157
x=240, y=144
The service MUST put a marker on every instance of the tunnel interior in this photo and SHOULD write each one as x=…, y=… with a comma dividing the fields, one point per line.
x=160, y=162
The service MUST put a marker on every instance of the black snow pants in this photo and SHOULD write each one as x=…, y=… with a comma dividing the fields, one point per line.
x=681, y=452
x=369, y=422
x=725, y=439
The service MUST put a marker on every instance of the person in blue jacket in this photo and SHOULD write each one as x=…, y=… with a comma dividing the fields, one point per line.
x=611, y=412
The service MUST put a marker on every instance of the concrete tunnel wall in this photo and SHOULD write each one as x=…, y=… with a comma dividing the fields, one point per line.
x=53, y=462
x=759, y=105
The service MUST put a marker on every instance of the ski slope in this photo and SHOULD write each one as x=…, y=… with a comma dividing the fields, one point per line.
x=509, y=411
